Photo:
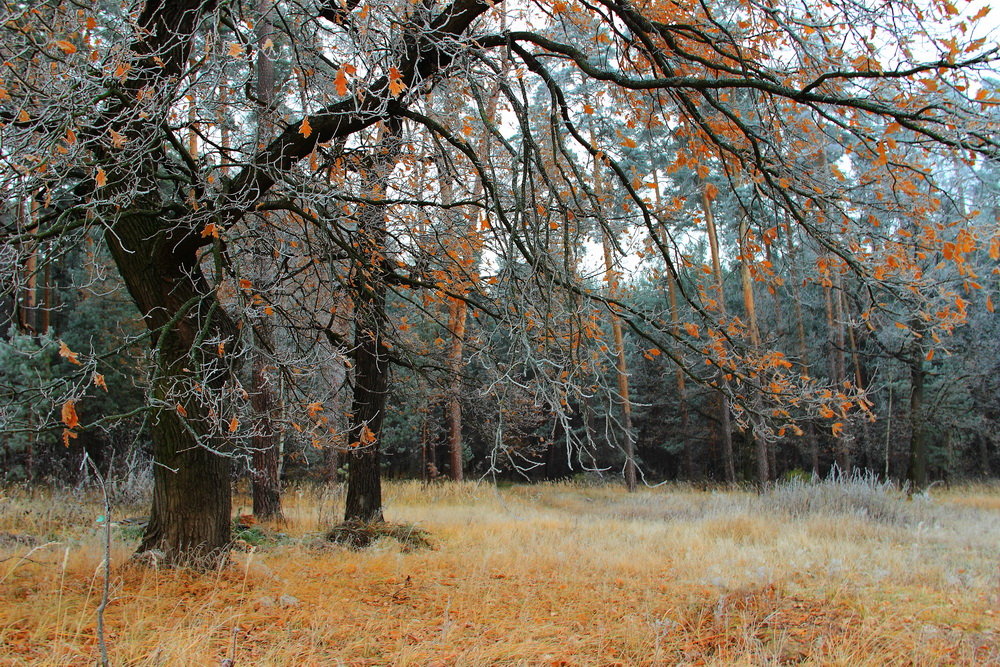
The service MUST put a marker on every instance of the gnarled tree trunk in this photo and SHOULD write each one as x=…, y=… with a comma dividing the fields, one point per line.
x=190, y=518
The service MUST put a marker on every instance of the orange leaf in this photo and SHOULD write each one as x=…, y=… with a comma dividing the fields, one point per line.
x=367, y=435
x=180, y=410
x=396, y=85
x=314, y=408
x=305, y=129
x=23, y=117
x=69, y=48
x=101, y=178
x=69, y=416
x=235, y=50
x=837, y=428
x=68, y=354
x=99, y=381
x=989, y=304
x=67, y=434
x=210, y=230
x=341, y=82
x=234, y=424
x=245, y=284
x=930, y=355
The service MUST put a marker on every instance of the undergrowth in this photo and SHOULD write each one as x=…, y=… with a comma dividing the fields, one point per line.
x=362, y=534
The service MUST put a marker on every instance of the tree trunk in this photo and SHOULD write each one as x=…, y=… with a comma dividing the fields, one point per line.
x=265, y=459
x=190, y=518
x=724, y=418
x=917, y=472
x=812, y=446
x=189, y=522
x=371, y=356
x=750, y=309
x=371, y=383
x=457, y=312
x=687, y=455
x=688, y=452
x=621, y=368
x=265, y=480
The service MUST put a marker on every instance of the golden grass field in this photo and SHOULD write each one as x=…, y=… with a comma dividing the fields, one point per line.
x=554, y=574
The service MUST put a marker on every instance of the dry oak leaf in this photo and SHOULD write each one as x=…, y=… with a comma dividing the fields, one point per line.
x=396, y=85
x=69, y=48
x=341, y=82
x=99, y=381
x=68, y=354
x=69, y=416
x=305, y=129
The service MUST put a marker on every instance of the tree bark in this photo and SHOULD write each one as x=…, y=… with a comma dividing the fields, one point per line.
x=724, y=418
x=371, y=383
x=457, y=313
x=917, y=471
x=265, y=457
x=621, y=370
x=265, y=480
x=812, y=446
x=750, y=308
x=371, y=355
x=190, y=518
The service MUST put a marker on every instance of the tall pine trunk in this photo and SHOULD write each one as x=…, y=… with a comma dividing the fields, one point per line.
x=724, y=418
x=265, y=479
x=750, y=309
x=457, y=313
x=917, y=469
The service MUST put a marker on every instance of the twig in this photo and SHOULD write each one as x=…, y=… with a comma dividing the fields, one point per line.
x=231, y=660
x=26, y=558
x=106, y=591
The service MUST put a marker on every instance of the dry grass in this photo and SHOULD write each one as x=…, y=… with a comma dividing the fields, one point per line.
x=541, y=575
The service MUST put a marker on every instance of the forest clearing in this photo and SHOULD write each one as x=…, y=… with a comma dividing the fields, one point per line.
x=553, y=574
